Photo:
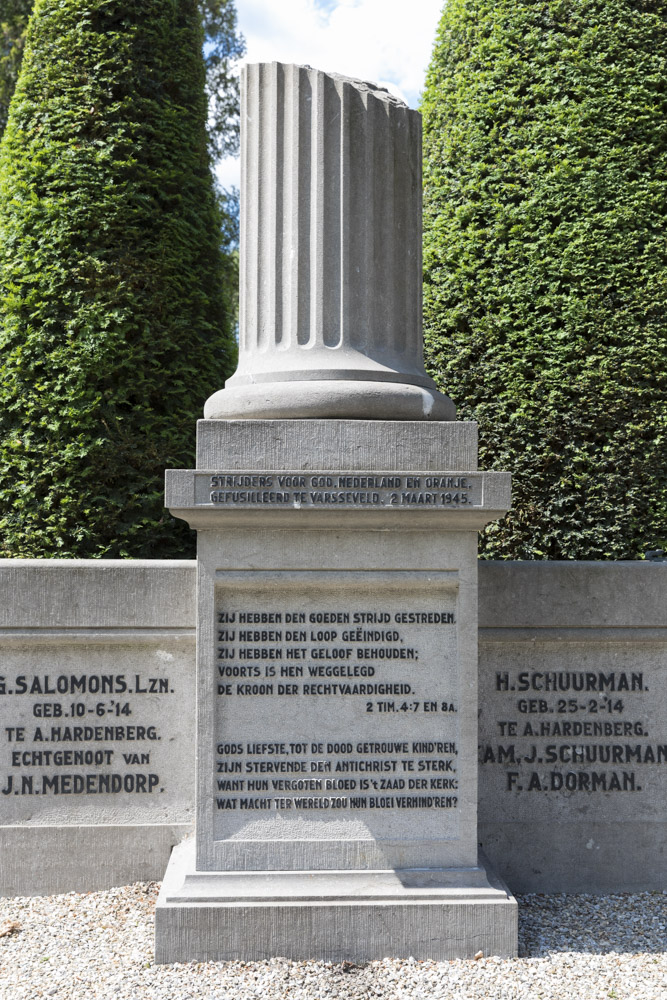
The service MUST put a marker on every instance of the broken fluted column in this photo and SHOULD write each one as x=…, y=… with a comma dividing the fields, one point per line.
x=330, y=296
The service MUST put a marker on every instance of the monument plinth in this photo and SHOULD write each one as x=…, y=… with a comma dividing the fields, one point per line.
x=337, y=563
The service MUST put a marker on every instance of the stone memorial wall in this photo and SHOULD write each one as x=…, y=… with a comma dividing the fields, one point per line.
x=95, y=761
x=573, y=725
x=572, y=786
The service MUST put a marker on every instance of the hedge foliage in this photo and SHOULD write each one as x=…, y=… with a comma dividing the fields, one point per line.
x=14, y=17
x=114, y=319
x=223, y=46
x=546, y=262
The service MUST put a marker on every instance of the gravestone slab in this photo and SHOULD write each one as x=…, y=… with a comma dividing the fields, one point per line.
x=573, y=739
x=97, y=669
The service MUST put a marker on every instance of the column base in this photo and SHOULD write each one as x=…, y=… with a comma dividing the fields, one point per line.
x=331, y=916
x=332, y=398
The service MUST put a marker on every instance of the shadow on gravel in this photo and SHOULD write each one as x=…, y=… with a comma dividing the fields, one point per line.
x=596, y=925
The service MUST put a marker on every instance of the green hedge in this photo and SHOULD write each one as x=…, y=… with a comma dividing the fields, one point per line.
x=114, y=317
x=223, y=46
x=546, y=263
x=14, y=17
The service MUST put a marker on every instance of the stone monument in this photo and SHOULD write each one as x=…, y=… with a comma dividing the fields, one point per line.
x=337, y=504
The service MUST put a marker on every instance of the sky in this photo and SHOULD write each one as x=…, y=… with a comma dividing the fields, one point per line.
x=386, y=41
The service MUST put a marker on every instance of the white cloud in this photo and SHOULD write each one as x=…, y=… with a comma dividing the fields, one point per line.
x=386, y=41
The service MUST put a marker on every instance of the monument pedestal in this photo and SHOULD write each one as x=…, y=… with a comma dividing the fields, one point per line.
x=333, y=916
x=337, y=696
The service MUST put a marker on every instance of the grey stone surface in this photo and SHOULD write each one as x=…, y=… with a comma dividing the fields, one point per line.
x=337, y=704
x=343, y=451
x=591, y=854
x=91, y=729
x=579, y=595
x=345, y=398
x=331, y=916
x=573, y=737
x=358, y=445
x=330, y=317
x=44, y=860
x=330, y=573
x=597, y=614
x=328, y=499
x=342, y=817
x=96, y=677
x=97, y=593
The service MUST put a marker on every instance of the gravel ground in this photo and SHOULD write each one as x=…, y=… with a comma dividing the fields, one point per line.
x=100, y=945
